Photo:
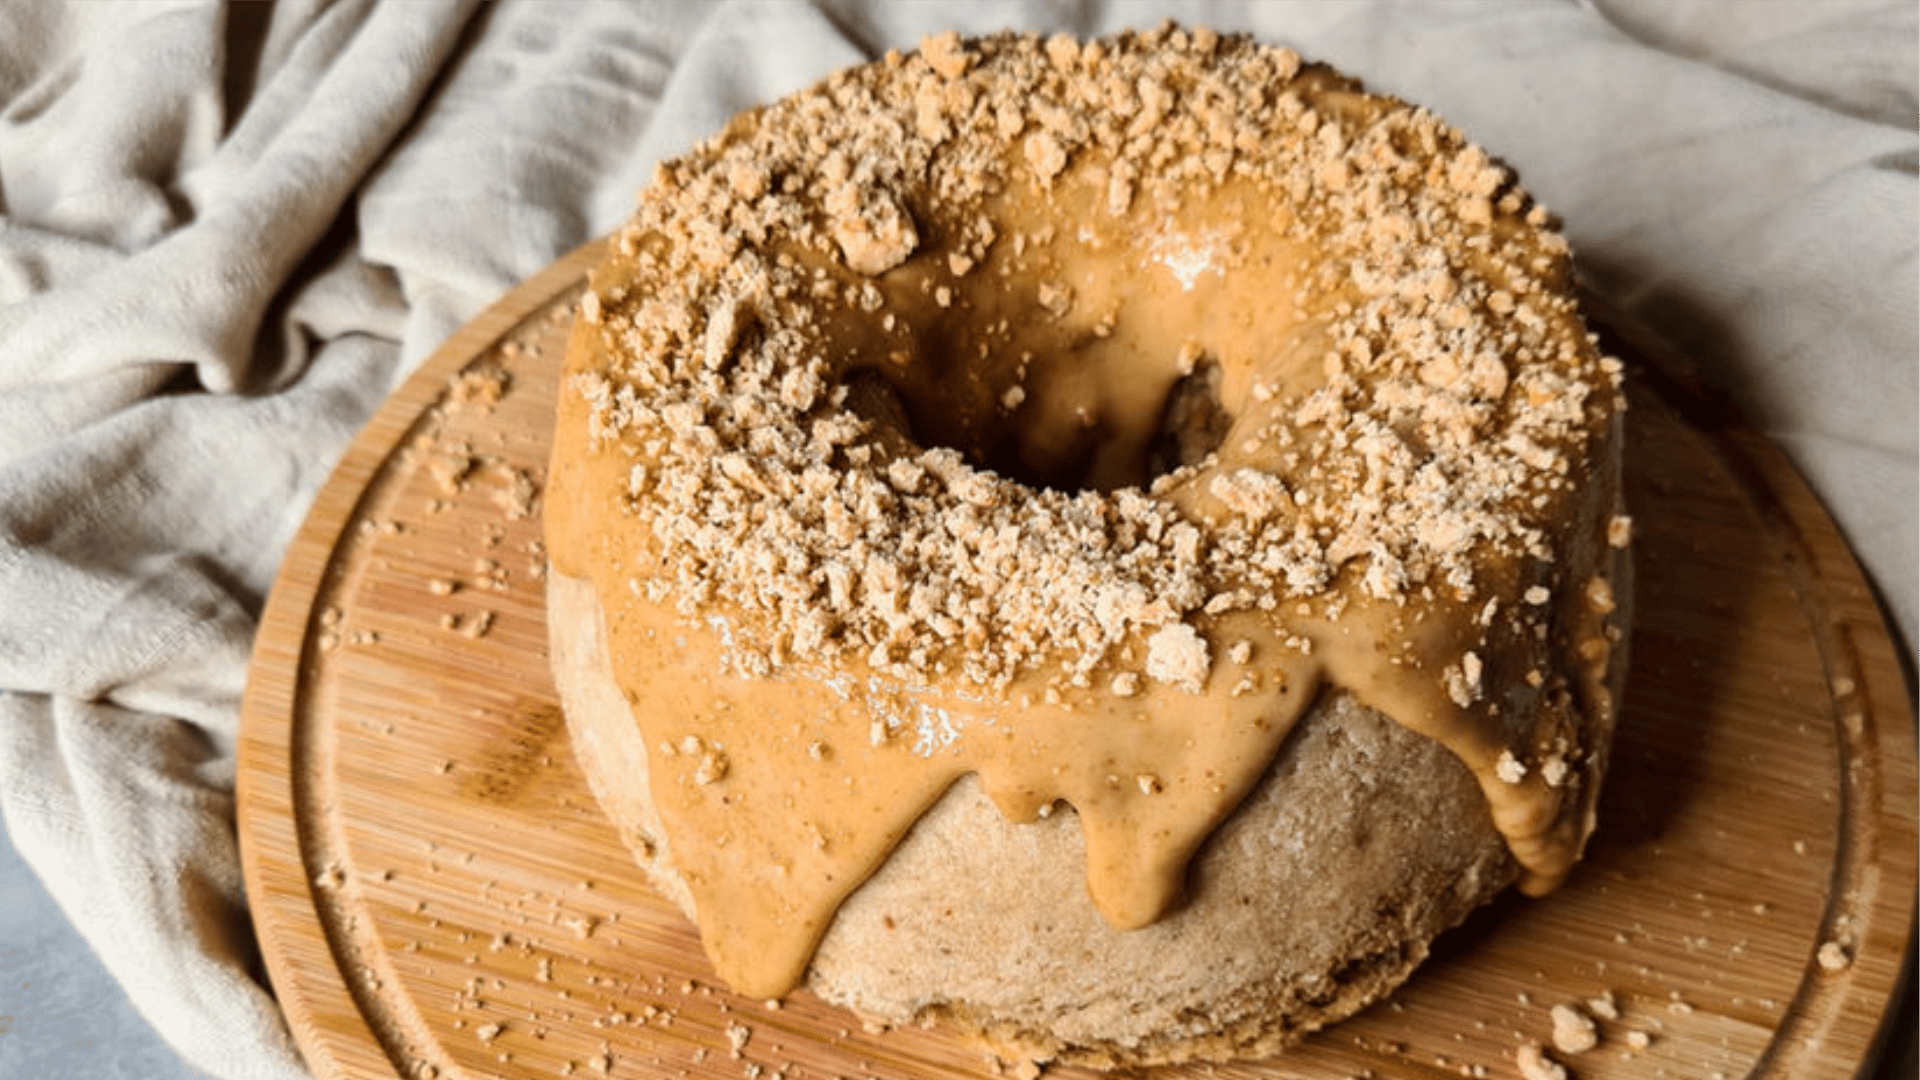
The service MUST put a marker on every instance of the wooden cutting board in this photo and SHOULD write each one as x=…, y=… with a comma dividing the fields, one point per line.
x=437, y=894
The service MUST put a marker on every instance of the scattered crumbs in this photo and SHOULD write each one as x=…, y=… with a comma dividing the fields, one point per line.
x=1574, y=1031
x=738, y=1035
x=1510, y=769
x=1639, y=1039
x=329, y=637
x=473, y=625
x=1834, y=956
x=1606, y=1006
x=1534, y=1063
x=486, y=1033
x=516, y=493
x=481, y=387
x=449, y=470
x=1600, y=595
x=1619, y=531
x=492, y=574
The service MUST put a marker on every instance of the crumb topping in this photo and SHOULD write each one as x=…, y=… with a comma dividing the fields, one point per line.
x=1451, y=398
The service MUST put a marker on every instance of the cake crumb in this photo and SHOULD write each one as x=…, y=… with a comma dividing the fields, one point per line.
x=712, y=768
x=1574, y=1032
x=873, y=230
x=1536, y=1065
x=946, y=53
x=1619, y=531
x=1046, y=155
x=1834, y=956
x=1178, y=655
x=1600, y=595
x=1555, y=770
x=481, y=387
x=1250, y=493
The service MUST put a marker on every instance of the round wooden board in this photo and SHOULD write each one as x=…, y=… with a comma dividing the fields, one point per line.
x=437, y=894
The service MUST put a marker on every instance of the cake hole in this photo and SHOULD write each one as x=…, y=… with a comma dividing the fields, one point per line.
x=1051, y=444
x=1192, y=426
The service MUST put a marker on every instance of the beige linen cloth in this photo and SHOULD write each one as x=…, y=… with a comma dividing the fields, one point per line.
x=227, y=232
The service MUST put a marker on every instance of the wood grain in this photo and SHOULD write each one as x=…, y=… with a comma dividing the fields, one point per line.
x=437, y=894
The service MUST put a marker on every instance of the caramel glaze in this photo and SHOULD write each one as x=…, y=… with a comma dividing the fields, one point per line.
x=1049, y=353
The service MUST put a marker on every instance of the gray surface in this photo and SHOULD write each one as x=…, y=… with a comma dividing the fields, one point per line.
x=62, y=1017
